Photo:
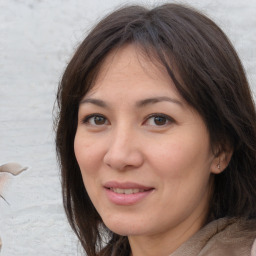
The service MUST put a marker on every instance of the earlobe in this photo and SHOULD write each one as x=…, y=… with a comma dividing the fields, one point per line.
x=217, y=166
x=221, y=162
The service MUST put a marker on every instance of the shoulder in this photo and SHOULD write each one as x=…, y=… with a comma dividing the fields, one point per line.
x=233, y=237
x=229, y=237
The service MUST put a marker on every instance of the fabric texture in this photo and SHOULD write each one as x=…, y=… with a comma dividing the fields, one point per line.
x=254, y=248
x=222, y=237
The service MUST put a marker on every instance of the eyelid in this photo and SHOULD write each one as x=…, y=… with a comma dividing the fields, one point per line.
x=167, y=117
x=170, y=120
x=85, y=120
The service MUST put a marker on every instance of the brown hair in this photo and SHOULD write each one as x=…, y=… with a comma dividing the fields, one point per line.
x=212, y=81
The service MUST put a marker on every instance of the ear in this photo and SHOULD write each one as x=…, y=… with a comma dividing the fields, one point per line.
x=221, y=161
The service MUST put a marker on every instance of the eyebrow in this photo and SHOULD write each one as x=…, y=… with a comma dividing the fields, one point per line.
x=141, y=103
x=154, y=100
x=97, y=102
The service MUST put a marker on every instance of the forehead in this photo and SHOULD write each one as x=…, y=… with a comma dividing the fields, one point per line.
x=130, y=66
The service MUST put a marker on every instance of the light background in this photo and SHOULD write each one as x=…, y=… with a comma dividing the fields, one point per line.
x=37, y=38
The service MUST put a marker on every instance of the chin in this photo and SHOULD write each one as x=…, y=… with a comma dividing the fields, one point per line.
x=124, y=228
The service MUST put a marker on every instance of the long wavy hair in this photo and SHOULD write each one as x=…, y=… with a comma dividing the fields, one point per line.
x=207, y=73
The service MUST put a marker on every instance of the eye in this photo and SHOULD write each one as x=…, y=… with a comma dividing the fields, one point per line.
x=95, y=120
x=158, y=120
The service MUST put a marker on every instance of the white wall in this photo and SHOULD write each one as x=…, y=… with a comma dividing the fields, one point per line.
x=37, y=38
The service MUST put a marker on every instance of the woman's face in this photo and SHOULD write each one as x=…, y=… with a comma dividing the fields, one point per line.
x=144, y=153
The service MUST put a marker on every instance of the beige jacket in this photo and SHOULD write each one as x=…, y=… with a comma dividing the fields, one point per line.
x=222, y=237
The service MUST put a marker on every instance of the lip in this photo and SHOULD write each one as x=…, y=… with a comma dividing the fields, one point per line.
x=125, y=185
x=126, y=199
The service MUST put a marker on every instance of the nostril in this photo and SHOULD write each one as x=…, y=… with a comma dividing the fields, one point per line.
x=125, y=159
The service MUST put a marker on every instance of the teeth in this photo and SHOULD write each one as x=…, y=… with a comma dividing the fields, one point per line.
x=126, y=191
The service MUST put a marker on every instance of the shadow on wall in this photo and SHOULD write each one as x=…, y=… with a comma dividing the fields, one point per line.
x=6, y=172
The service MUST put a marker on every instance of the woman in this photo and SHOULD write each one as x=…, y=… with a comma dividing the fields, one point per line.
x=156, y=137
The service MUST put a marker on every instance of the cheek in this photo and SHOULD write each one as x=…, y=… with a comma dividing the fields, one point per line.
x=88, y=158
x=88, y=154
x=182, y=170
x=180, y=157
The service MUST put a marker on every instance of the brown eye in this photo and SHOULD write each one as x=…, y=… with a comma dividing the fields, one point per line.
x=99, y=120
x=95, y=120
x=160, y=120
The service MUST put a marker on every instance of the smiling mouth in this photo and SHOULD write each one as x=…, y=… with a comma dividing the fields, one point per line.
x=127, y=191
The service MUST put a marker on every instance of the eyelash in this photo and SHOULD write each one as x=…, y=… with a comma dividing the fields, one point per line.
x=87, y=118
x=168, y=119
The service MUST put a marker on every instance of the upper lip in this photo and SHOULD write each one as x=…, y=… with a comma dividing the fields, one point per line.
x=126, y=185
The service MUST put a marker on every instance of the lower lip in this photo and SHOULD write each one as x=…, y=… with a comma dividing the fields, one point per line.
x=126, y=199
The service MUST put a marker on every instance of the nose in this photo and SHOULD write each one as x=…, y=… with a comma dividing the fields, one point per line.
x=124, y=151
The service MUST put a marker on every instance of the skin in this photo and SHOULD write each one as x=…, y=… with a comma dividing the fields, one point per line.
x=126, y=141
